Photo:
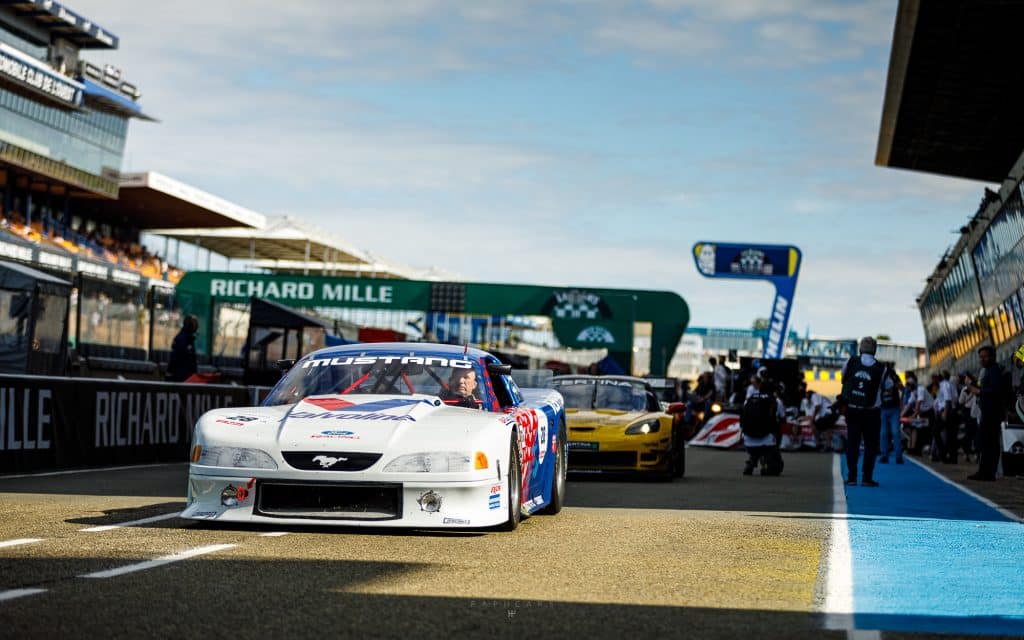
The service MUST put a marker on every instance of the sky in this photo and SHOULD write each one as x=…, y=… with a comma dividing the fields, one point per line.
x=560, y=142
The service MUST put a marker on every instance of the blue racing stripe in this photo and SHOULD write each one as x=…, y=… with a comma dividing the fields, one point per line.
x=928, y=557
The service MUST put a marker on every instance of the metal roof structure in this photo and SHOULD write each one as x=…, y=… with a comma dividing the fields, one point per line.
x=152, y=200
x=954, y=88
x=287, y=245
x=63, y=22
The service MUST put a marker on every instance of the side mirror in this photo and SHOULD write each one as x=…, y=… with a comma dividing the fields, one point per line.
x=284, y=365
x=496, y=369
x=676, y=407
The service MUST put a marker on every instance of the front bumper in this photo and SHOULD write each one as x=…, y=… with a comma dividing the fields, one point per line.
x=591, y=452
x=371, y=501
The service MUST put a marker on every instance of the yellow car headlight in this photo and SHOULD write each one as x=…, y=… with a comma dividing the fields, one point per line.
x=643, y=428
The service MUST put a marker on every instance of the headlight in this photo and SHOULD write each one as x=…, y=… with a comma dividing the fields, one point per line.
x=642, y=428
x=234, y=457
x=436, y=461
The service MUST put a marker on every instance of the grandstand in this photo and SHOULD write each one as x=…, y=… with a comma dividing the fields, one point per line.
x=121, y=240
x=68, y=211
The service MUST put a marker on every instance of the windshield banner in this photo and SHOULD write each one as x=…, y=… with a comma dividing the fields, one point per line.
x=778, y=264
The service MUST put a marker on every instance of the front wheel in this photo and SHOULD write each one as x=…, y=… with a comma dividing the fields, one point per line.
x=558, y=480
x=515, y=489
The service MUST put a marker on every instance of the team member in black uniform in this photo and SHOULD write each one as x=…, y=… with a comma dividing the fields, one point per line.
x=862, y=385
x=993, y=392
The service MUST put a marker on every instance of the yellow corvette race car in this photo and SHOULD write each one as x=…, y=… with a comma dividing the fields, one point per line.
x=616, y=424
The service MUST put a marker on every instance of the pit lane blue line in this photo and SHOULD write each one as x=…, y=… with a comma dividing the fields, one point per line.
x=927, y=557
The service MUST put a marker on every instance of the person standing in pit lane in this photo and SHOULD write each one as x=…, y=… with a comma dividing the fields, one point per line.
x=992, y=390
x=182, y=362
x=920, y=406
x=760, y=422
x=946, y=426
x=1018, y=363
x=862, y=390
x=970, y=414
x=891, y=439
x=721, y=377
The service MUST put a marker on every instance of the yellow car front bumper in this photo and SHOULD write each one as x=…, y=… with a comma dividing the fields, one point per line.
x=590, y=450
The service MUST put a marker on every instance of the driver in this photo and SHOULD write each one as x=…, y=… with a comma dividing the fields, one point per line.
x=461, y=390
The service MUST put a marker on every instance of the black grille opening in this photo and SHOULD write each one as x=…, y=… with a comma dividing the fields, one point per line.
x=349, y=501
x=330, y=461
x=590, y=459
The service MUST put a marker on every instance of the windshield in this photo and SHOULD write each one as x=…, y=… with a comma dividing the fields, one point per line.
x=598, y=393
x=456, y=381
x=578, y=394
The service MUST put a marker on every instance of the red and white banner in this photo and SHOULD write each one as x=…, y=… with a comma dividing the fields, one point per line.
x=720, y=432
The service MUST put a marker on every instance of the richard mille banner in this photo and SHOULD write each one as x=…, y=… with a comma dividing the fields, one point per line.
x=53, y=423
x=778, y=264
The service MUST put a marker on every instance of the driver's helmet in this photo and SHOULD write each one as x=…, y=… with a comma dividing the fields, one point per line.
x=1018, y=355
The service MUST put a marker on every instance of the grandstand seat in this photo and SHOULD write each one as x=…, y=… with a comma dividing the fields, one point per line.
x=161, y=356
x=96, y=350
x=96, y=363
x=101, y=360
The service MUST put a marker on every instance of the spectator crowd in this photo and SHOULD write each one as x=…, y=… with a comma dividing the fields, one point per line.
x=126, y=254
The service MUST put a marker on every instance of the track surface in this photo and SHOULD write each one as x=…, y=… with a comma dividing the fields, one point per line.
x=713, y=555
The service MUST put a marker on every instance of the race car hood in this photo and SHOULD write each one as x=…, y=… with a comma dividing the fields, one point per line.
x=353, y=423
x=604, y=418
x=363, y=423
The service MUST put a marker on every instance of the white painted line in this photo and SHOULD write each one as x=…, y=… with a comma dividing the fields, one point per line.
x=19, y=541
x=66, y=473
x=11, y=594
x=839, y=583
x=1008, y=514
x=156, y=562
x=133, y=523
x=274, y=534
x=839, y=586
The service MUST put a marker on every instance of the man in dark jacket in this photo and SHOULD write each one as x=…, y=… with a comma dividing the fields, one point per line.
x=993, y=392
x=182, y=363
x=862, y=391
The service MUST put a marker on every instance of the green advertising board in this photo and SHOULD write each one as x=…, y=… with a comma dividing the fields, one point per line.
x=582, y=317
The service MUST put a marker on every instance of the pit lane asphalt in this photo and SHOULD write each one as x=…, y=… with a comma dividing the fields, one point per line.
x=711, y=555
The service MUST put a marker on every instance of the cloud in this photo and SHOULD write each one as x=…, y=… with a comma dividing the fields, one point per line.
x=648, y=35
x=372, y=120
x=781, y=33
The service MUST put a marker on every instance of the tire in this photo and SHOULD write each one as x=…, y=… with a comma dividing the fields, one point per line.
x=558, y=480
x=679, y=455
x=515, y=489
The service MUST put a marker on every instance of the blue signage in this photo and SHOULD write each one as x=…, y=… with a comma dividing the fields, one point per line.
x=26, y=71
x=779, y=264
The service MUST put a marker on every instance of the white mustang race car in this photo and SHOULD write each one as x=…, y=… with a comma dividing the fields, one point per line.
x=384, y=435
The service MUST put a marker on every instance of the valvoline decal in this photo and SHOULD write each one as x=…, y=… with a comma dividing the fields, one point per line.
x=337, y=404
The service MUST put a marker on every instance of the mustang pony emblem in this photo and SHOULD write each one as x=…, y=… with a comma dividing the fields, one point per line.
x=326, y=461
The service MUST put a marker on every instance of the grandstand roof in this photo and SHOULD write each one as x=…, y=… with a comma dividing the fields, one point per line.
x=285, y=244
x=151, y=200
x=344, y=269
x=954, y=88
x=56, y=18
